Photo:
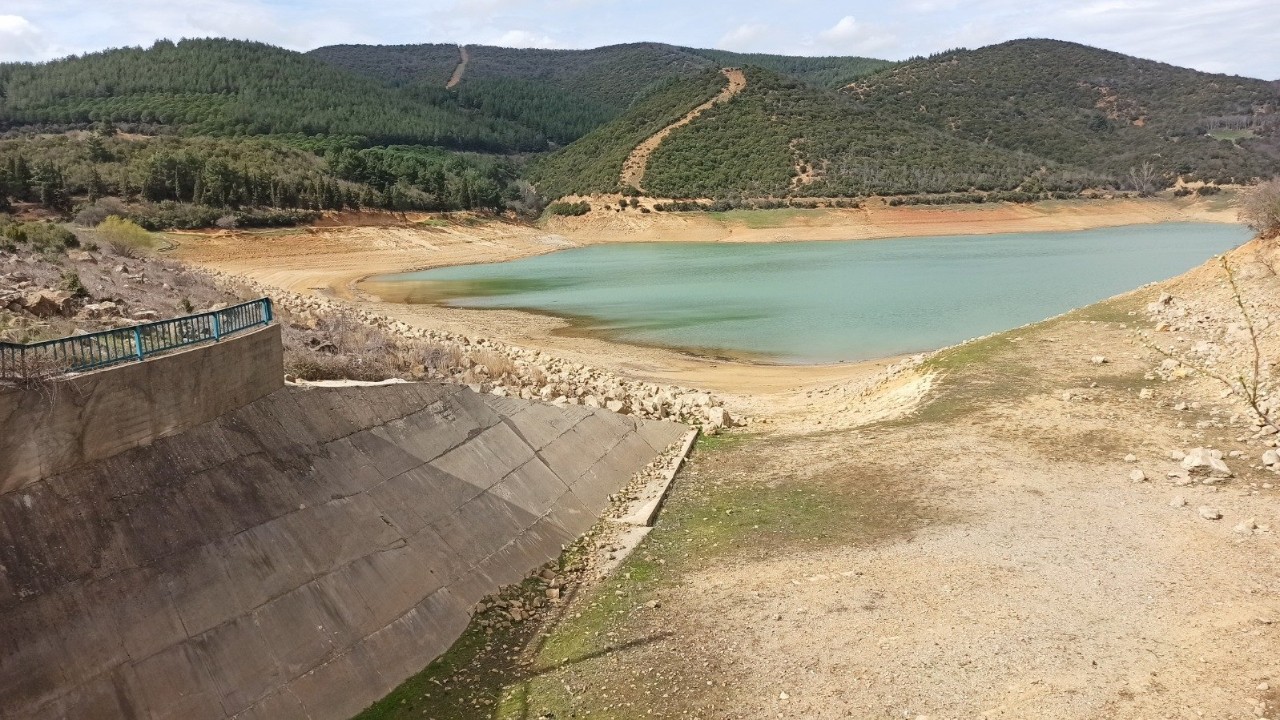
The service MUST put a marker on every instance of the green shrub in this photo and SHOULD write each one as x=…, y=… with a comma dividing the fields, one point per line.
x=124, y=237
x=71, y=283
x=573, y=209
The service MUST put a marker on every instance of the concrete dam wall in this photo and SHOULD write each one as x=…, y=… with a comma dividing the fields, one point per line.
x=296, y=557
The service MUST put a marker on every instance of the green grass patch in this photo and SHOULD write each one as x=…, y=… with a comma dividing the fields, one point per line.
x=1230, y=135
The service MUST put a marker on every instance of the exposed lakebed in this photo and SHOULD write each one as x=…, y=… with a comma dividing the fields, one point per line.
x=811, y=302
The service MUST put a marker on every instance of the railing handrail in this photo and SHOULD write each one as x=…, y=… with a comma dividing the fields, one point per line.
x=132, y=343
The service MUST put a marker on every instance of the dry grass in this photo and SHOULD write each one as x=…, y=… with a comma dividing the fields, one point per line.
x=496, y=364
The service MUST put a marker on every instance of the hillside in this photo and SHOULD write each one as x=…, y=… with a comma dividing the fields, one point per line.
x=594, y=163
x=782, y=137
x=222, y=126
x=1024, y=120
x=825, y=72
x=230, y=87
x=1080, y=105
x=564, y=94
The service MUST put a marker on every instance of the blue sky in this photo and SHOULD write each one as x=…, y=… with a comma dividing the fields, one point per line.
x=1232, y=36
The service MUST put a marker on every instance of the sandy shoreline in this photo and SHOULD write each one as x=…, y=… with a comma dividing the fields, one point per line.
x=336, y=260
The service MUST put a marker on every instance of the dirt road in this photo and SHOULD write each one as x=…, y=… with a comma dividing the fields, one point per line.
x=460, y=70
x=634, y=167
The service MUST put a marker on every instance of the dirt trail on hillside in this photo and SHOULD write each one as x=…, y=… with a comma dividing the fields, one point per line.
x=463, y=58
x=633, y=169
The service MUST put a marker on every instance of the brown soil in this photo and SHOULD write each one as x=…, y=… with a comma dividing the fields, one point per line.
x=633, y=169
x=463, y=58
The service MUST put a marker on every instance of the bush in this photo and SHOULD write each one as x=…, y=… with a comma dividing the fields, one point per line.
x=43, y=236
x=573, y=209
x=124, y=237
x=71, y=283
x=93, y=215
x=1261, y=208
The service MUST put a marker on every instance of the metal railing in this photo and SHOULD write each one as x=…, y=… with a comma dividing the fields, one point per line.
x=131, y=344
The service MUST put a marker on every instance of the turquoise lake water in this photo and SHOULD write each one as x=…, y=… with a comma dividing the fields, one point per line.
x=810, y=302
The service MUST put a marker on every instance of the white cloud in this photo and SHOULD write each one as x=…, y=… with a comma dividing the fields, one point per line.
x=745, y=37
x=525, y=39
x=849, y=35
x=21, y=40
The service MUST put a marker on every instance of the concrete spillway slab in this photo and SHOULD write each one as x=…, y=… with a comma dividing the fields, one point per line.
x=297, y=557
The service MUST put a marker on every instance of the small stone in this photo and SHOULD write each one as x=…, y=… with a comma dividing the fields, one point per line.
x=653, y=604
x=1271, y=457
x=1098, y=360
x=1210, y=513
x=1146, y=394
x=1246, y=527
x=1131, y=458
x=1178, y=501
x=1264, y=687
x=1206, y=462
x=783, y=696
x=1136, y=475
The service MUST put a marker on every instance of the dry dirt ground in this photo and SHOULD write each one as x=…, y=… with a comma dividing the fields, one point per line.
x=979, y=550
x=986, y=556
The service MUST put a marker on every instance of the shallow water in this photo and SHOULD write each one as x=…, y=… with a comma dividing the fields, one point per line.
x=825, y=301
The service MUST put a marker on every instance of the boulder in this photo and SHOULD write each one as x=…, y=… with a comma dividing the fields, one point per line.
x=1204, y=462
x=719, y=417
x=104, y=309
x=1271, y=458
x=47, y=303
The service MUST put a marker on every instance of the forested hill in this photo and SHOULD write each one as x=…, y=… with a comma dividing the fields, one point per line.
x=1025, y=119
x=229, y=87
x=1080, y=105
x=186, y=133
x=565, y=94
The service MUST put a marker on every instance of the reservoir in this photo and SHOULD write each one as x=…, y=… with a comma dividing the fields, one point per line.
x=817, y=302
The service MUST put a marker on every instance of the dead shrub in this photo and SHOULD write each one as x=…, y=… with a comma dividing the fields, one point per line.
x=496, y=363
x=443, y=358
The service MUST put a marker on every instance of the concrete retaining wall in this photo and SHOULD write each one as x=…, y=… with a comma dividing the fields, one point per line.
x=96, y=415
x=295, y=558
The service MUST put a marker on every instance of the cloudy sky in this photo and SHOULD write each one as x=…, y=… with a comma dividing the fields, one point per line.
x=1233, y=36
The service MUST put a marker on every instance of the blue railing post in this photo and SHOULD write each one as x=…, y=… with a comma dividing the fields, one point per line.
x=266, y=311
x=137, y=343
x=217, y=327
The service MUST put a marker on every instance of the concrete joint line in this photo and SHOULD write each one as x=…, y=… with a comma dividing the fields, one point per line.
x=644, y=510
